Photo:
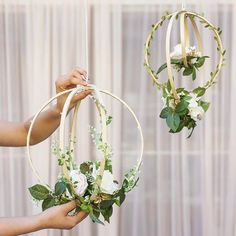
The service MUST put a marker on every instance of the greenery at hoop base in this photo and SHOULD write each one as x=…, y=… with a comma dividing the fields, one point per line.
x=64, y=189
x=178, y=117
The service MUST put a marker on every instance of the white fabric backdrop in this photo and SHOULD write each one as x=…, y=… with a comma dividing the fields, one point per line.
x=187, y=187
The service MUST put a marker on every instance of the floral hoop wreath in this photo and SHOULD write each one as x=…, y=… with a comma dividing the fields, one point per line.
x=91, y=184
x=183, y=108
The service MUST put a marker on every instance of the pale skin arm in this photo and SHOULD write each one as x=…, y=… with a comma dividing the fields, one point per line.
x=53, y=218
x=15, y=133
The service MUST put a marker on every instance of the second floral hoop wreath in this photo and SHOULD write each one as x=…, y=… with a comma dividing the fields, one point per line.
x=91, y=184
x=182, y=107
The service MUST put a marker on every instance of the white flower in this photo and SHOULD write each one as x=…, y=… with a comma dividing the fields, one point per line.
x=192, y=103
x=196, y=113
x=190, y=51
x=177, y=53
x=80, y=181
x=194, y=60
x=108, y=185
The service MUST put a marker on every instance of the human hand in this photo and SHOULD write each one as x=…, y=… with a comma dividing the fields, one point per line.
x=75, y=77
x=57, y=217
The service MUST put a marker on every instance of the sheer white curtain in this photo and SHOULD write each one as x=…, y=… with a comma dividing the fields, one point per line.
x=187, y=186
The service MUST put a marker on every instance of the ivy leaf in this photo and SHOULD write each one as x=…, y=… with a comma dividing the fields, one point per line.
x=60, y=188
x=173, y=121
x=48, y=202
x=188, y=71
x=165, y=112
x=39, y=192
x=204, y=105
x=199, y=91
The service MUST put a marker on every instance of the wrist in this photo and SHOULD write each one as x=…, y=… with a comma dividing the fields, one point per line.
x=41, y=222
x=56, y=110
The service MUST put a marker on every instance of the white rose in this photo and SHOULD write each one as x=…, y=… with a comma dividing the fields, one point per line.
x=196, y=113
x=177, y=53
x=108, y=185
x=80, y=181
x=190, y=51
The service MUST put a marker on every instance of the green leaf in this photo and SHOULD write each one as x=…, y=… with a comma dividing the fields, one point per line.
x=180, y=90
x=199, y=91
x=194, y=74
x=204, y=105
x=109, y=120
x=188, y=71
x=161, y=68
x=60, y=188
x=173, y=121
x=48, y=202
x=200, y=61
x=186, y=98
x=86, y=208
x=39, y=192
x=106, y=204
x=168, y=86
x=84, y=168
x=165, y=112
x=69, y=188
x=177, y=61
x=107, y=214
x=95, y=219
x=181, y=106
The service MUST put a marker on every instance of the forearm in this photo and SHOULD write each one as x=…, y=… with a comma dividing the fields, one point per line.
x=46, y=123
x=15, y=134
x=20, y=225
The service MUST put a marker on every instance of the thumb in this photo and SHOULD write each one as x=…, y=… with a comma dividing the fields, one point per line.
x=67, y=207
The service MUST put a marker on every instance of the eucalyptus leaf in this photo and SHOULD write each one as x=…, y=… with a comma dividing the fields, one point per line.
x=173, y=121
x=95, y=219
x=165, y=112
x=60, y=188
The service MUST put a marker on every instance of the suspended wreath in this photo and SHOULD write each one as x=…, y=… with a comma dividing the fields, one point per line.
x=90, y=183
x=182, y=107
